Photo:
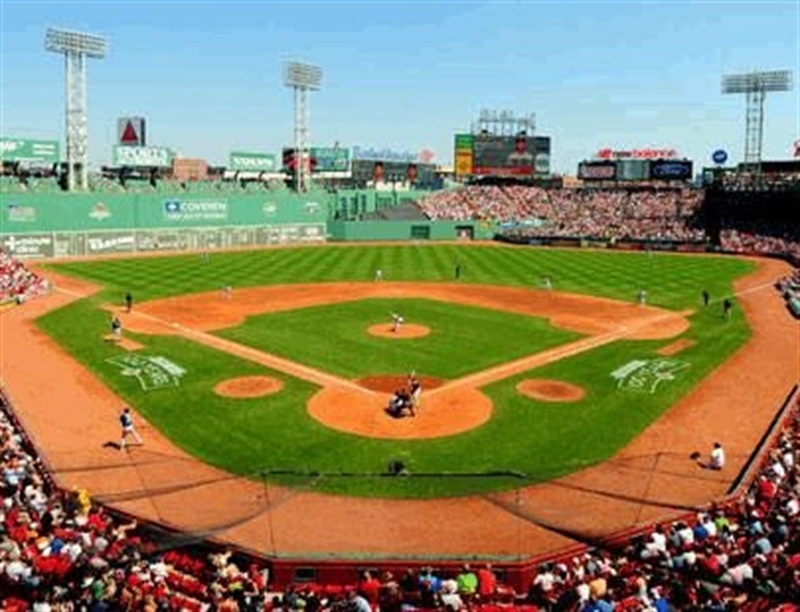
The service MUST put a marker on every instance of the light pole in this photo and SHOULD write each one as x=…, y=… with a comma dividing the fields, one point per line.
x=755, y=86
x=76, y=47
x=302, y=78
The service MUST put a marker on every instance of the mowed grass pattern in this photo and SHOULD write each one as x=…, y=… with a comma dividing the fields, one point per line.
x=335, y=338
x=672, y=281
x=534, y=440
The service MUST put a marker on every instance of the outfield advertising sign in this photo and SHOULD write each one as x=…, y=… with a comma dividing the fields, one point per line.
x=27, y=150
x=31, y=246
x=100, y=242
x=197, y=210
x=331, y=159
x=253, y=162
x=142, y=157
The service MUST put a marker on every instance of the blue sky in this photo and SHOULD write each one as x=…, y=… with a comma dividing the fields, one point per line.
x=408, y=75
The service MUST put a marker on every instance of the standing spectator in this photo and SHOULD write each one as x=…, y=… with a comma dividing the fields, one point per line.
x=487, y=582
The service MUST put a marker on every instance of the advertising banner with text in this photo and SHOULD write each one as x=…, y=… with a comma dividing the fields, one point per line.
x=142, y=157
x=27, y=150
x=253, y=162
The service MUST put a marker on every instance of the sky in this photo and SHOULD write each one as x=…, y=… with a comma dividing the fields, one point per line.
x=207, y=76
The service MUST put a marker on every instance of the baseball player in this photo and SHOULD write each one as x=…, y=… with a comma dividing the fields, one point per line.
x=378, y=275
x=415, y=387
x=116, y=329
x=548, y=284
x=641, y=297
x=397, y=322
x=128, y=429
x=129, y=301
x=727, y=306
x=227, y=292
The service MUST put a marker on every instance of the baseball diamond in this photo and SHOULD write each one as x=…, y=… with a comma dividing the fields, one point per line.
x=341, y=376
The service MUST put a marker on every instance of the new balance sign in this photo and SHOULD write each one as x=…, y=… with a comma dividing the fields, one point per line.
x=144, y=157
x=254, y=162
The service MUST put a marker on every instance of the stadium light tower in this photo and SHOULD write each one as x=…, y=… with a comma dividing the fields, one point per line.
x=755, y=85
x=302, y=78
x=76, y=47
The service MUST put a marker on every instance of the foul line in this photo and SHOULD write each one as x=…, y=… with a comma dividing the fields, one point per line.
x=280, y=364
x=476, y=380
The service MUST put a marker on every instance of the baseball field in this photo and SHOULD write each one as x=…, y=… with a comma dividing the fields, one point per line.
x=296, y=311
x=547, y=416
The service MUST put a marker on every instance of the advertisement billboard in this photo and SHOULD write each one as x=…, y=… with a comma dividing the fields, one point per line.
x=649, y=153
x=464, y=142
x=671, y=170
x=632, y=170
x=31, y=151
x=508, y=155
x=330, y=162
x=331, y=159
x=142, y=157
x=597, y=171
x=253, y=162
x=131, y=132
x=464, y=163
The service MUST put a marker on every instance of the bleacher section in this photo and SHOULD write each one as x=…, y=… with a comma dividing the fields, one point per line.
x=407, y=211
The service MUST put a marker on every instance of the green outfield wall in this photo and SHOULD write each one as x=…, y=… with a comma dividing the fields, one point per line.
x=61, y=225
x=37, y=225
x=362, y=231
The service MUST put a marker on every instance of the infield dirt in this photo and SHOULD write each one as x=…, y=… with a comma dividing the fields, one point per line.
x=70, y=414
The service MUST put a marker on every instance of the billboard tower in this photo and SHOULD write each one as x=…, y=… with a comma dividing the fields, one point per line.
x=302, y=78
x=755, y=85
x=76, y=47
x=504, y=123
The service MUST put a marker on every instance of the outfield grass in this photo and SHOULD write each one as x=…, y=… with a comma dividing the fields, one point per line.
x=539, y=440
x=672, y=281
x=334, y=337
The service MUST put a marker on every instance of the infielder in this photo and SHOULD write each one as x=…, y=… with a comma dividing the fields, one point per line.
x=378, y=275
x=642, y=297
x=128, y=429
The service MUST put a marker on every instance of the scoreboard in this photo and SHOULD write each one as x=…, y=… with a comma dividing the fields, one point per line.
x=493, y=155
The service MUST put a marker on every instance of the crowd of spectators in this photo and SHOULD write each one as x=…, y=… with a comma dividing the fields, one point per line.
x=743, y=181
x=17, y=283
x=665, y=214
x=59, y=552
x=761, y=237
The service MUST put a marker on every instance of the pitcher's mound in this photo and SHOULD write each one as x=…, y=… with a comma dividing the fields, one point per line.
x=248, y=386
x=407, y=330
x=550, y=390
